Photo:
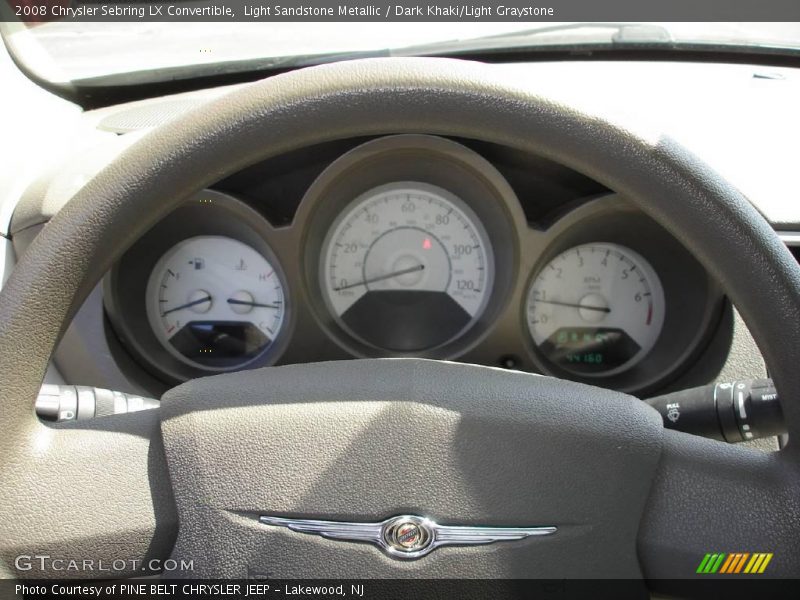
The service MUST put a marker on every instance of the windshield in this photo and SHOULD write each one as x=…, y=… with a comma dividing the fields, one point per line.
x=63, y=52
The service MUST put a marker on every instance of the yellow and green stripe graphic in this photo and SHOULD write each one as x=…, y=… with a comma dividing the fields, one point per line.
x=735, y=562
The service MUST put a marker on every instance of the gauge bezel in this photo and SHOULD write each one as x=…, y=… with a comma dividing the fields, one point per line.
x=420, y=159
x=207, y=213
x=693, y=302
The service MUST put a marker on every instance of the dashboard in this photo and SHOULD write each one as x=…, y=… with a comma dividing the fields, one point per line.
x=411, y=245
x=396, y=246
x=528, y=215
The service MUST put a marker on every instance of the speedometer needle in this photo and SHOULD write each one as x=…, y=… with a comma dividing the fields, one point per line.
x=187, y=305
x=604, y=309
x=380, y=278
x=247, y=303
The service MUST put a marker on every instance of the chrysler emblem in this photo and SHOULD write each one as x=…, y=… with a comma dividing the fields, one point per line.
x=407, y=536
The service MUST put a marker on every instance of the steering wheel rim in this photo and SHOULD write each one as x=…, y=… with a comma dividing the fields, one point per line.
x=374, y=97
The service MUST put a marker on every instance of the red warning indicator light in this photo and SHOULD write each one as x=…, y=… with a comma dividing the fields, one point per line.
x=426, y=244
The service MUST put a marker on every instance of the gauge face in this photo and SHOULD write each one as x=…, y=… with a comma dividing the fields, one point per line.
x=215, y=303
x=596, y=309
x=407, y=267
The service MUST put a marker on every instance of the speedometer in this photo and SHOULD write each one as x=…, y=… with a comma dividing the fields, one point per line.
x=596, y=309
x=406, y=267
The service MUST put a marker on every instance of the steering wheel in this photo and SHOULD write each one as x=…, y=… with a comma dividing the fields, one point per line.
x=363, y=441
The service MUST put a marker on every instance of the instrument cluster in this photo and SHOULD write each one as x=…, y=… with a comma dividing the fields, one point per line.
x=412, y=245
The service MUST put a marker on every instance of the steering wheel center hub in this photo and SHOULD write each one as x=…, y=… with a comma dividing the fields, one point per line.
x=484, y=457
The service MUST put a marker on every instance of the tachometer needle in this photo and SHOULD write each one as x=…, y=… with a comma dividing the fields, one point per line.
x=187, y=305
x=247, y=303
x=604, y=309
x=380, y=278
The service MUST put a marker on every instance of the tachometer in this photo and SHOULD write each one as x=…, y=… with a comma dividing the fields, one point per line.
x=215, y=303
x=406, y=267
x=596, y=309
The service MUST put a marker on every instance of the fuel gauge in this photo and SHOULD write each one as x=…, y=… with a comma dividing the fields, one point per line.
x=215, y=303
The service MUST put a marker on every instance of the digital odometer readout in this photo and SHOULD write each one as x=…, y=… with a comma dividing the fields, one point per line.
x=590, y=349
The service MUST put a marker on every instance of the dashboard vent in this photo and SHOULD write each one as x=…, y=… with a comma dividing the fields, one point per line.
x=147, y=115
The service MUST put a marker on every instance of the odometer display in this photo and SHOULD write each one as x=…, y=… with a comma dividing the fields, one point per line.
x=406, y=267
x=595, y=309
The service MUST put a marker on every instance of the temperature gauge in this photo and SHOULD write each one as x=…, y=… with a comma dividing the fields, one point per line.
x=215, y=303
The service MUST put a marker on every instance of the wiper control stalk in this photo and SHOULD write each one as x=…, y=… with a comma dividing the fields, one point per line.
x=77, y=402
x=732, y=412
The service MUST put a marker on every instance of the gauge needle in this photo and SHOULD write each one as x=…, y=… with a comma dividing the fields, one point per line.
x=187, y=305
x=380, y=278
x=247, y=303
x=604, y=309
